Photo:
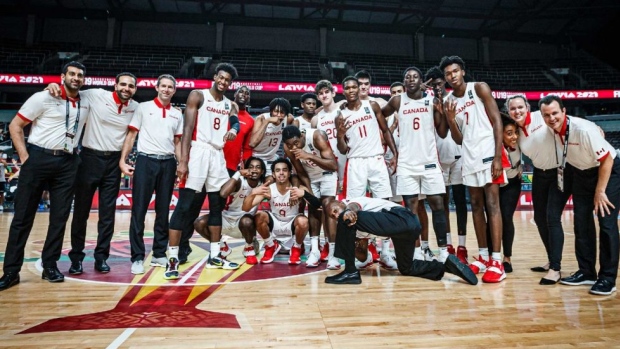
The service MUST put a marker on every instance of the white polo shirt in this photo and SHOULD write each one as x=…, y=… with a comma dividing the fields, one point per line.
x=586, y=145
x=109, y=117
x=48, y=116
x=536, y=141
x=158, y=125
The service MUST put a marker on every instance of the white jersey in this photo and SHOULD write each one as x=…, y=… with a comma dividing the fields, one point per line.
x=536, y=141
x=212, y=120
x=416, y=124
x=314, y=171
x=280, y=205
x=449, y=151
x=325, y=122
x=478, y=146
x=303, y=123
x=49, y=119
x=396, y=135
x=268, y=147
x=364, y=135
x=109, y=117
x=236, y=199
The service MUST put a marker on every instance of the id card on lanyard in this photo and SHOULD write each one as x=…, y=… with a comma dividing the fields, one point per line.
x=71, y=132
x=563, y=164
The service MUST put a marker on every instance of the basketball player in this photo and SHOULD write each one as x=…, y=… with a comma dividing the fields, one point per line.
x=283, y=225
x=365, y=80
x=160, y=127
x=308, y=104
x=475, y=123
x=210, y=121
x=360, y=126
x=451, y=163
x=309, y=149
x=419, y=171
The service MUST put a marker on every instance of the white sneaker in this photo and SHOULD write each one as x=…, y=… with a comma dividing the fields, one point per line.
x=159, y=262
x=314, y=259
x=418, y=255
x=428, y=255
x=225, y=250
x=443, y=256
x=333, y=263
x=137, y=267
x=365, y=264
x=388, y=261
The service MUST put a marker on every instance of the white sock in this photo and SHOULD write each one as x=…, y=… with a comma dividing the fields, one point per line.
x=215, y=249
x=443, y=251
x=332, y=247
x=385, y=246
x=173, y=252
x=297, y=245
x=269, y=241
x=497, y=256
x=424, y=245
x=462, y=240
x=484, y=252
x=449, y=238
x=314, y=242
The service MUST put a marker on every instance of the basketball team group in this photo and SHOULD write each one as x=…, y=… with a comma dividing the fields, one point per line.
x=362, y=168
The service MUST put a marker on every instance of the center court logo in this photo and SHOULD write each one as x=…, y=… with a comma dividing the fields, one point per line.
x=150, y=301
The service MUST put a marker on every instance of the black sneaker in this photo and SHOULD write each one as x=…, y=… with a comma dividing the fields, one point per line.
x=576, y=279
x=454, y=266
x=603, y=287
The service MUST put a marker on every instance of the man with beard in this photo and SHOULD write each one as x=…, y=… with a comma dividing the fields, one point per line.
x=48, y=157
x=210, y=121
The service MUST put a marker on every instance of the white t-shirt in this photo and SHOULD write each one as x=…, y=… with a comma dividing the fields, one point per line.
x=586, y=145
x=158, y=126
x=49, y=119
x=478, y=146
x=536, y=141
x=212, y=120
x=364, y=135
x=417, y=150
x=267, y=149
x=109, y=117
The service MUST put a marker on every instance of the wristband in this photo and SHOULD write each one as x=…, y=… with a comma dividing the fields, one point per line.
x=236, y=176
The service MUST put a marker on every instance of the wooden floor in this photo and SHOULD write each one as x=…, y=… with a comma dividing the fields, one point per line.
x=269, y=306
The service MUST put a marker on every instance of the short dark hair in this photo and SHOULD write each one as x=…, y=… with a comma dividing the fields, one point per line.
x=74, y=64
x=434, y=73
x=118, y=77
x=350, y=78
x=289, y=132
x=548, y=99
x=507, y=120
x=280, y=102
x=280, y=160
x=363, y=74
x=229, y=68
x=308, y=95
x=413, y=68
x=396, y=84
x=448, y=60
x=262, y=166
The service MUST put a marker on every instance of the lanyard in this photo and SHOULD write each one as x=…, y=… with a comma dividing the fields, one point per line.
x=563, y=164
x=77, y=117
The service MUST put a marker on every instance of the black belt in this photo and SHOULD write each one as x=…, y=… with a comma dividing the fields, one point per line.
x=327, y=173
x=158, y=157
x=101, y=152
x=54, y=152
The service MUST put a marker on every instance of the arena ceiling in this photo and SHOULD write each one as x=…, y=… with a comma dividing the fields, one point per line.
x=557, y=21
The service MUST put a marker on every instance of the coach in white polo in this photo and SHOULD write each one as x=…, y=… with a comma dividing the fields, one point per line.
x=47, y=157
x=160, y=128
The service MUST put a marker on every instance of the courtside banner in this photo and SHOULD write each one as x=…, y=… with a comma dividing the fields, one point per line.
x=285, y=87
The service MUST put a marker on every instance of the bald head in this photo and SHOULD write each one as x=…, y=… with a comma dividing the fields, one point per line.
x=335, y=208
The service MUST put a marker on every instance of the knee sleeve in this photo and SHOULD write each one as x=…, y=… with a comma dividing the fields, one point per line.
x=182, y=211
x=216, y=205
x=440, y=226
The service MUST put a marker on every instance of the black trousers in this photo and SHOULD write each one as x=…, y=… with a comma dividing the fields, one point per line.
x=584, y=185
x=399, y=224
x=96, y=172
x=58, y=172
x=151, y=175
x=549, y=202
x=187, y=210
x=508, y=200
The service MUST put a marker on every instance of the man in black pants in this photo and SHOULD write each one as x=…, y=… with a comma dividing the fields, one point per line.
x=48, y=157
x=385, y=218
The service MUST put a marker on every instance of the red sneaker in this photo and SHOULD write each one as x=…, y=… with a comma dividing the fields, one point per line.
x=225, y=251
x=451, y=249
x=461, y=253
x=372, y=249
x=270, y=252
x=295, y=256
x=479, y=265
x=250, y=256
x=324, y=252
x=495, y=272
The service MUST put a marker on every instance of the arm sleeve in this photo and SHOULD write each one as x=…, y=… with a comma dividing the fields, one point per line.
x=312, y=200
x=233, y=122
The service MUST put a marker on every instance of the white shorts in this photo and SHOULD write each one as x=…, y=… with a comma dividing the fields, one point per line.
x=367, y=173
x=207, y=167
x=282, y=230
x=393, y=181
x=452, y=173
x=327, y=185
x=428, y=184
x=230, y=224
x=478, y=179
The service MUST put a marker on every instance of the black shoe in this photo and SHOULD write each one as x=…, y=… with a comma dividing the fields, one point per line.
x=8, y=280
x=545, y=281
x=184, y=255
x=603, y=287
x=101, y=266
x=52, y=274
x=454, y=266
x=76, y=268
x=345, y=277
x=576, y=279
x=539, y=269
x=507, y=267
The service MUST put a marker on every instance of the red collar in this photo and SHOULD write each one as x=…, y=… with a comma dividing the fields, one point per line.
x=63, y=94
x=163, y=109
x=563, y=129
x=528, y=120
x=118, y=100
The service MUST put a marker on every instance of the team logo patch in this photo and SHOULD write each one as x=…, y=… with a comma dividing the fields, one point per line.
x=367, y=110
